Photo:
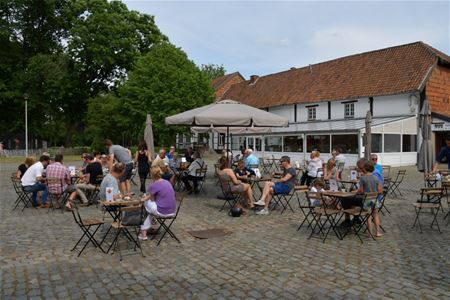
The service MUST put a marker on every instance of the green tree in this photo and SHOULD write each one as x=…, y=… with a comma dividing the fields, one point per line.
x=164, y=82
x=213, y=71
x=61, y=53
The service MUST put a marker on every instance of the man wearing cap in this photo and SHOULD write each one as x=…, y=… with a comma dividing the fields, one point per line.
x=31, y=181
x=122, y=155
x=284, y=185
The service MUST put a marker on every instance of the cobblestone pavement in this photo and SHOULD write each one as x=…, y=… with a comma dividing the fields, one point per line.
x=263, y=257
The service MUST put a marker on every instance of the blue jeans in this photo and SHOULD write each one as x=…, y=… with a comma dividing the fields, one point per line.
x=38, y=186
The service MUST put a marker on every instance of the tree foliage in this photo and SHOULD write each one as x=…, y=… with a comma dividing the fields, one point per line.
x=212, y=71
x=164, y=82
x=61, y=53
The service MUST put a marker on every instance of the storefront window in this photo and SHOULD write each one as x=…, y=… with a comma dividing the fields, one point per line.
x=251, y=143
x=320, y=143
x=409, y=143
x=377, y=143
x=293, y=143
x=257, y=144
x=392, y=143
x=273, y=143
x=345, y=143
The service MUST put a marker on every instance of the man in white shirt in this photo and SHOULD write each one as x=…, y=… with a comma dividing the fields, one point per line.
x=31, y=181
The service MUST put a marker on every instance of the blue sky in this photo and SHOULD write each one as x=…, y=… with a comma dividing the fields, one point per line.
x=264, y=37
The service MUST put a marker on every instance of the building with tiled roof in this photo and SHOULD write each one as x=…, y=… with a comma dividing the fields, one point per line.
x=326, y=103
x=223, y=83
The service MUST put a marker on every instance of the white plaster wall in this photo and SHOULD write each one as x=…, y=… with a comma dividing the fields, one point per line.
x=286, y=111
x=394, y=105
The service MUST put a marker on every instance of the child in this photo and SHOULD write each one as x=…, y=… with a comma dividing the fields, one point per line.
x=369, y=183
x=317, y=188
x=241, y=172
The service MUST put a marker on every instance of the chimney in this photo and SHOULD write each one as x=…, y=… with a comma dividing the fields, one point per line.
x=253, y=79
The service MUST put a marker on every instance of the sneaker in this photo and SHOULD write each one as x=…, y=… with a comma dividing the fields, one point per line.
x=263, y=212
x=46, y=205
x=260, y=202
x=143, y=238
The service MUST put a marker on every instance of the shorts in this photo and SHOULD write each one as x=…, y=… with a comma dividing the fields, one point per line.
x=281, y=188
x=127, y=173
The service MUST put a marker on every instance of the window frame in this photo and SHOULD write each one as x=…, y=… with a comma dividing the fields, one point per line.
x=312, y=113
x=349, y=110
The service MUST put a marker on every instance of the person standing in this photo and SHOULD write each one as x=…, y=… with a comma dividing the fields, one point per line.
x=31, y=181
x=122, y=155
x=143, y=160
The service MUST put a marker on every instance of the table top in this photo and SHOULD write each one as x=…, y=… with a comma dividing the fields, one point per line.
x=339, y=194
x=122, y=202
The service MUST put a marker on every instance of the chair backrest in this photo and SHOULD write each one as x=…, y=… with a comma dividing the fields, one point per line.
x=216, y=169
x=225, y=185
x=138, y=215
x=340, y=166
x=400, y=176
x=433, y=194
x=17, y=184
x=179, y=198
x=386, y=170
x=55, y=185
x=313, y=196
x=201, y=172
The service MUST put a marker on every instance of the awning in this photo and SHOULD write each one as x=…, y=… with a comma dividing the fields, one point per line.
x=346, y=125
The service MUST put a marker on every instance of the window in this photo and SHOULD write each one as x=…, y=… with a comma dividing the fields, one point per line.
x=293, y=143
x=409, y=143
x=273, y=143
x=346, y=143
x=392, y=143
x=250, y=143
x=311, y=113
x=221, y=139
x=320, y=143
x=377, y=143
x=349, y=110
x=257, y=144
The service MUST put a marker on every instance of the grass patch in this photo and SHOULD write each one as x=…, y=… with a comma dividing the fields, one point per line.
x=20, y=159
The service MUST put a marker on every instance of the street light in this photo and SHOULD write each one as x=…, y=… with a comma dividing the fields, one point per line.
x=25, y=96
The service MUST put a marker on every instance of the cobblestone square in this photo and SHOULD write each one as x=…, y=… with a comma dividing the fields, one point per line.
x=264, y=257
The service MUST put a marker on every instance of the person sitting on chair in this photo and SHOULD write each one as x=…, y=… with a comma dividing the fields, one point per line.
x=162, y=162
x=236, y=186
x=313, y=168
x=241, y=172
x=160, y=201
x=283, y=186
x=191, y=175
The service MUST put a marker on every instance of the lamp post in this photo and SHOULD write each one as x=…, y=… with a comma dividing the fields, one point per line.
x=25, y=96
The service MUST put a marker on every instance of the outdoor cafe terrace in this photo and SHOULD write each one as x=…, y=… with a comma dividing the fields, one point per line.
x=258, y=257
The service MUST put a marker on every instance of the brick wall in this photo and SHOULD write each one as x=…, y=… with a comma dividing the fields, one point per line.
x=221, y=90
x=438, y=90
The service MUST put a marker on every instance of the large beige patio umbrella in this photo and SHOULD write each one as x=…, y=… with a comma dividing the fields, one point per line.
x=148, y=134
x=228, y=114
x=426, y=155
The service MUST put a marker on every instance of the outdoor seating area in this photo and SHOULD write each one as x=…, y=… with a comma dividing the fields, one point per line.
x=99, y=233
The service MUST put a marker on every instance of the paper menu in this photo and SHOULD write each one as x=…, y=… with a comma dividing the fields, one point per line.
x=72, y=170
x=109, y=193
x=353, y=175
x=257, y=173
x=333, y=185
x=183, y=159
